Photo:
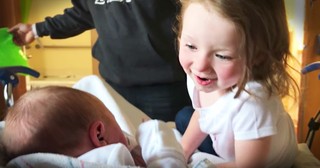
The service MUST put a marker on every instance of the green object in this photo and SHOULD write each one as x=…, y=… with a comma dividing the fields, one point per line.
x=10, y=53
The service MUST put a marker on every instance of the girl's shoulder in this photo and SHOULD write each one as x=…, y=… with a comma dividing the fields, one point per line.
x=253, y=89
x=257, y=97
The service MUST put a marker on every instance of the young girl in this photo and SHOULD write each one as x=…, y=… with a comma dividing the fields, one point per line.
x=236, y=53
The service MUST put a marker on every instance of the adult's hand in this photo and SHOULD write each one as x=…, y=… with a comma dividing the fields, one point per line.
x=22, y=34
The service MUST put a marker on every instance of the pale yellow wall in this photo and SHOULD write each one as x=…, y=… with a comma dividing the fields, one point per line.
x=59, y=58
x=295, y=15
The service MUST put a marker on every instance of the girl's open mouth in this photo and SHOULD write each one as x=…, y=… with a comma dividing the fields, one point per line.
x=203, y=81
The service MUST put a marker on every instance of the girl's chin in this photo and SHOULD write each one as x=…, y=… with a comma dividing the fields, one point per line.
x=205, y=89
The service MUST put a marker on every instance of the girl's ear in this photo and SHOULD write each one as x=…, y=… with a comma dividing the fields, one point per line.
x=98, y=133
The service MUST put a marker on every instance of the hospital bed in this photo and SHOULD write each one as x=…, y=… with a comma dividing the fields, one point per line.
x=128, y=117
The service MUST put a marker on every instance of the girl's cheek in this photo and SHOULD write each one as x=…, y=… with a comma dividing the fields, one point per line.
x=182, y=63
x=185, y=62
x=182, y=58
x=231, y=72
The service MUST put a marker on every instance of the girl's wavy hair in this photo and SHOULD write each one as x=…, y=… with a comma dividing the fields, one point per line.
x=264, y=45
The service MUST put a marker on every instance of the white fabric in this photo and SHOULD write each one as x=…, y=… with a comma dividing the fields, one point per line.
x=131, y=141
x=122, y=110
x=51, y=160
x=113, y=155
x=249, y=117
x=34, y=31
x=159, y=145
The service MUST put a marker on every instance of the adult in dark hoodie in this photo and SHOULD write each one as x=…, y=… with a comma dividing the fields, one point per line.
x=135, y=48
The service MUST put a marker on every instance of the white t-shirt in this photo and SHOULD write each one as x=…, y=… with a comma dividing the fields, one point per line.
x=248, y=117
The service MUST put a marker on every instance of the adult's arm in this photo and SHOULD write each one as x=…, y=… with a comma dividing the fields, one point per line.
x=72, y=22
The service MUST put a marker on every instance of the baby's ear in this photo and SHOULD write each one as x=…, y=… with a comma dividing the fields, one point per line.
x=97, y=134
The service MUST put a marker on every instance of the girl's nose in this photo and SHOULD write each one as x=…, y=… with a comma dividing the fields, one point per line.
x=202, y=63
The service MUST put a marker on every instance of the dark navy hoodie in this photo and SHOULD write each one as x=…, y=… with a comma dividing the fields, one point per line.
x=136, y=41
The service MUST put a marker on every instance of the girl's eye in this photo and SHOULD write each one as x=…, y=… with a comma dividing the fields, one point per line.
x=224, y=58
x=190, y=46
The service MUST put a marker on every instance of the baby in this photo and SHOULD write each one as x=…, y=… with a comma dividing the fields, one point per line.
x=66, y=121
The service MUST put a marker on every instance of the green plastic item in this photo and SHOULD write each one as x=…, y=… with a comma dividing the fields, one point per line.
x=10, y=53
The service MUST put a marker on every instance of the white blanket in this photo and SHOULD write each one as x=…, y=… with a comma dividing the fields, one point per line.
x=128, y=116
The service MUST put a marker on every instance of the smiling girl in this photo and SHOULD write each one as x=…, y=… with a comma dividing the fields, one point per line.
x=236, y=54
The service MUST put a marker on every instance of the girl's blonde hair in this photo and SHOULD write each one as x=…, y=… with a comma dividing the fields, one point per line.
x=265, y=44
